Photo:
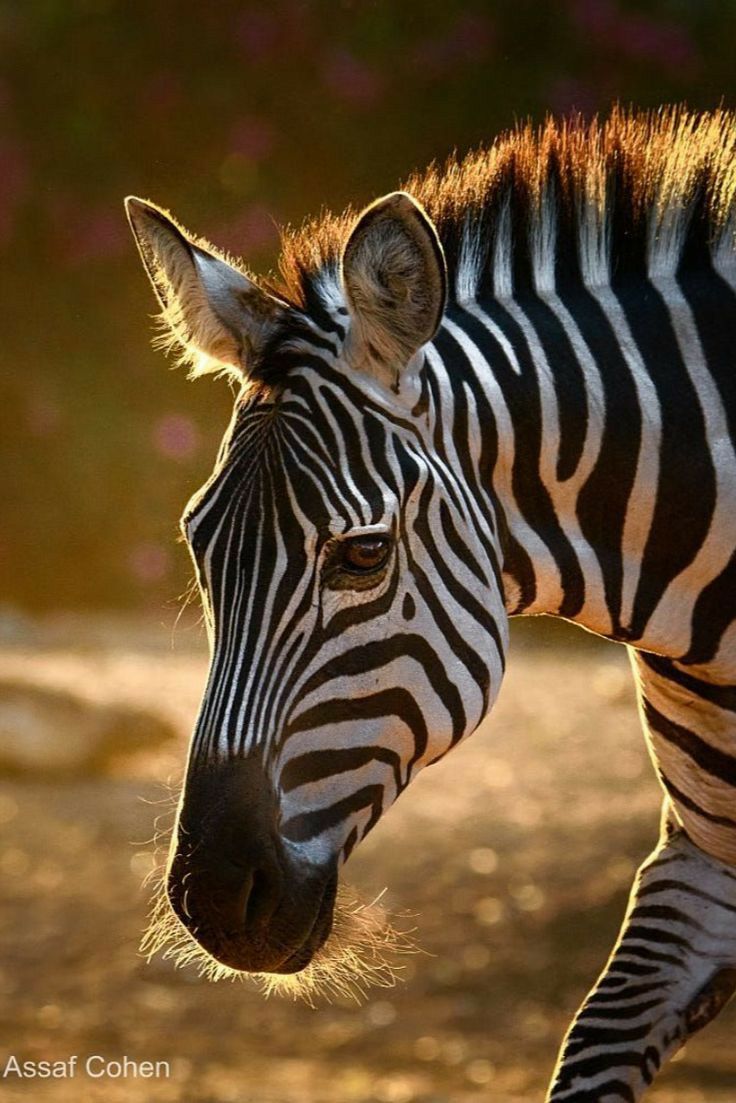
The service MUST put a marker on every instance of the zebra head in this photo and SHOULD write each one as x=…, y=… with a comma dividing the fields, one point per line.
x=348, y=558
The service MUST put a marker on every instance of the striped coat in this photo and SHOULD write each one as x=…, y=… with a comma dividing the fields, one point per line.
x=506, y=390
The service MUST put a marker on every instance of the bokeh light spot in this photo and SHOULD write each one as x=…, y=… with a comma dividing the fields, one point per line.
x=148, y=562
x=479, y=1072
x=483, y=860
x=176, y=436
x=489, y=911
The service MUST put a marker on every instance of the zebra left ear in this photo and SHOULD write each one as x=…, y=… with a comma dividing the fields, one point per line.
x=213, y=313
x=395, y=282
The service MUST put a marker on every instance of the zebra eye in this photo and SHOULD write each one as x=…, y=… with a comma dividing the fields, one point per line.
x=364, y=554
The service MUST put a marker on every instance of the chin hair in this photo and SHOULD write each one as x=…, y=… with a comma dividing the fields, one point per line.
x=364, y=950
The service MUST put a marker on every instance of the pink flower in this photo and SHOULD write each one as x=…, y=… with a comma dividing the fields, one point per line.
x=14, y=177
x=162, y=94
x=276, y=32
x=566, y=94
x=257, y=32
x=148, y=562
x=86, y=231
x=252, y=137
x=595, y=17
x=468, y=42
x=176, y=436
x=254, y=231
x=350, y=78
x=637, y=35
x=100, y=234
x=43, y=416
x=656, y=40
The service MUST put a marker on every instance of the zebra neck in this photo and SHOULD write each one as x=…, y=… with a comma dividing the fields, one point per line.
x=599, y=406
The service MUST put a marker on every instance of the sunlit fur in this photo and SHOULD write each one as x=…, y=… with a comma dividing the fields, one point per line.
x=364, y=950
x=666, y=172
x=539, y=205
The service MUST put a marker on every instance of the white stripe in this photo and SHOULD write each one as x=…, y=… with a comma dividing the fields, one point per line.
x=545, y=564
x=640, y=508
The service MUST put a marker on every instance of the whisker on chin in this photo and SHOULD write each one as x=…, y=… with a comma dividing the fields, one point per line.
x=363, y=951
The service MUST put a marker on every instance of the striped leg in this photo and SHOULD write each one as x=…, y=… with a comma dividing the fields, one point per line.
x=674, y=966
x=671, y=971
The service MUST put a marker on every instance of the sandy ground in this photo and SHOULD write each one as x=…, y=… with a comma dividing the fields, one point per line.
x=513, y=857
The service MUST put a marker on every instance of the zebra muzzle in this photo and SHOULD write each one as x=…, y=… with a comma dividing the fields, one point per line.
x=233, y=884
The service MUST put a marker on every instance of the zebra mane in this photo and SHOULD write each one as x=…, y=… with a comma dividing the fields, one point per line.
x=637, y=193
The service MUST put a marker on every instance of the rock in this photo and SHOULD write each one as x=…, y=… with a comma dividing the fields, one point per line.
x=51, y=732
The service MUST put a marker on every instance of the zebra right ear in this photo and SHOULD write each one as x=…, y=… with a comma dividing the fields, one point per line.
x=214, y=314
x=395, y=282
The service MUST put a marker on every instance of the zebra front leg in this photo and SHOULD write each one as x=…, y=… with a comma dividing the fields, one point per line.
x=670, y=973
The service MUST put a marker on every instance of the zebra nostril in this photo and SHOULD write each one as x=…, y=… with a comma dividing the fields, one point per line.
x=239, y=895
x=241, y=902
x=264, y=894
x=234, y=896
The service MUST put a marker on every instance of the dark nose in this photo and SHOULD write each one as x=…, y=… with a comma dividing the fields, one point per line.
x=226, y=874
x=244, y=885
x=230, y=881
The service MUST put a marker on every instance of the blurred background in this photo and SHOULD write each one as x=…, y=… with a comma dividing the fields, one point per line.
x=240, y=117
x=237, y=117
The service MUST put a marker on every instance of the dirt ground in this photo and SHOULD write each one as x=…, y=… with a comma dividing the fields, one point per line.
x=514, y=858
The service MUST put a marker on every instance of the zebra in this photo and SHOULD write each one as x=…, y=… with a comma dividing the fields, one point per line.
x=506, y=389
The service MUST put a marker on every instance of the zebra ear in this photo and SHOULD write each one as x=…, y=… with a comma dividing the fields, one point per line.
x=395, y=282
x=211, y=311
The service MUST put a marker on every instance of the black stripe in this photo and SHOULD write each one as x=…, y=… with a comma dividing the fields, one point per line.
x=607, y=1089
x=655, y=887
x=394, y=701
x=308, y=825
x=521, y=393
x=377, y=653
x=665, y=912
x=603, y=500
x=567, y=380
x=714, y=612
x=688, y=802
x=619, y=1011
x=722, y=696
x=686, y=487
x=713, y=303
x=654, y=936
x=592, y=1036
x=328, y=763
x=634, y=991
x=716, y=763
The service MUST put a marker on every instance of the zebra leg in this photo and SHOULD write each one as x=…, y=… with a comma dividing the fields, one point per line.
x=674, y=965
x=671, y=971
